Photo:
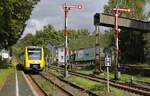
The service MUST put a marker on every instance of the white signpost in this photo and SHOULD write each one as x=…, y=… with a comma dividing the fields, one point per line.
x=107, y=64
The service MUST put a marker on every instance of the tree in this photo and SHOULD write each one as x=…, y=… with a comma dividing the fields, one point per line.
x=18, y=48
x=48, y=35
x=13, y=15
x=131, y=42
x=27, y=40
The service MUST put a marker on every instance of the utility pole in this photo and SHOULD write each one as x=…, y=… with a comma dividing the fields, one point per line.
x=66, y=51
x=117, y=12
x=97, y=52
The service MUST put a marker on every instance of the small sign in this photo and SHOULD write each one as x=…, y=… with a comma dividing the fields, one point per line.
x=107, y=61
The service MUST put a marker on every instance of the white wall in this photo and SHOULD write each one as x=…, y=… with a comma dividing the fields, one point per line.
x=60, y=54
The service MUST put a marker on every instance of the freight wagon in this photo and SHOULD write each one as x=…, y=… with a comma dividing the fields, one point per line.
x=85, y=55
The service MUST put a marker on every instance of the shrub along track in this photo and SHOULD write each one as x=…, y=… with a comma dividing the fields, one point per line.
x=121, y=85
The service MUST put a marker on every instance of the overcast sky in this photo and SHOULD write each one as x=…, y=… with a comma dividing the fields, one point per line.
x=51, y=12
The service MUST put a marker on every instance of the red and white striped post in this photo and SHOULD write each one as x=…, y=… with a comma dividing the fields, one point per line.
x=117, y=12
x=66, y=51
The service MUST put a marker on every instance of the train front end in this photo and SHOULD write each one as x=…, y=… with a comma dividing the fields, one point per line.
x=34, y=58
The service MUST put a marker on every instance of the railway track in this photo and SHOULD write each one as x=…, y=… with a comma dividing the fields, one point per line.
x=41, y=91
x=121, y=83
x=58, y=86
x=81, y=89
x=37, y=87
x=134, y=89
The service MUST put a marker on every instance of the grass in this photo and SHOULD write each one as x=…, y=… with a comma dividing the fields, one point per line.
x=144, y=66
x=99, y=87
x=127, y=77
x=135, y=78
x=123, y=76
x=4, y=73
x=94, y=86
x=86, y=71
x=46, y=85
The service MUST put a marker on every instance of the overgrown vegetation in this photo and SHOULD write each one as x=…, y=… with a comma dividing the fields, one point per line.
x=133, y=44
x=4, y=73
x=49, y=36
x=13, y=15
x=124, y=77
x=91, y=85
x=95, y=86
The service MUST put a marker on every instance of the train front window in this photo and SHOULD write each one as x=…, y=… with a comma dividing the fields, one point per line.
x=34, y=54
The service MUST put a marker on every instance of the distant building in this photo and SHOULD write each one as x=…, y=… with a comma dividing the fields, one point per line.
x=5, y=54
x=57, y=52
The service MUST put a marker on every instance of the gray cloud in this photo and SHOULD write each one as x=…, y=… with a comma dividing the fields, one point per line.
x=51, y=12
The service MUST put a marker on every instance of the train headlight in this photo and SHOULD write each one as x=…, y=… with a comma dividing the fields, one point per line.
x=35, y=62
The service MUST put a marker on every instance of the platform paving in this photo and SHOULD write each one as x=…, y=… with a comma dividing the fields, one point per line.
x=9, y=88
